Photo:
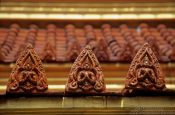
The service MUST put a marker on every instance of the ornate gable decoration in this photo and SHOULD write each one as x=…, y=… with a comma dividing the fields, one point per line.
x=86, y=74
x=144, y=72
x=28, y=75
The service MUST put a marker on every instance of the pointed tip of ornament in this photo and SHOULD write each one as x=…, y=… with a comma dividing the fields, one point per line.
x=146, y=44
x=29, y=46
x=88, y=47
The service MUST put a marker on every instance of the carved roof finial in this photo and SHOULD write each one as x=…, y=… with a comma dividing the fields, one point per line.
x=87, y=47
x=49, y=53
x=101, y=50
x=29, y=46
x=145, y=72
x=28, y=75
x=86, y=74
x=73, y=50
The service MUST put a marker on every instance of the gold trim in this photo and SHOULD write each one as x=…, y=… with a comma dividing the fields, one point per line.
x=108, y=86
x=90, y=110
x=87, y=11
x=86, y=16
x=86, y=4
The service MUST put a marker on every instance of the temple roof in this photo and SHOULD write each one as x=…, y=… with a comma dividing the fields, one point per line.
x=110, y=43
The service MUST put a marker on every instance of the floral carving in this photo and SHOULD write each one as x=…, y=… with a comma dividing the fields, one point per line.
x=86, y=74
x=144, y=72
x=28, y=75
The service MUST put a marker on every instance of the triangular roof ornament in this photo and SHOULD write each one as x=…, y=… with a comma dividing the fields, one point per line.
x=28, y=75
x=145, y=72
x=49, y=53
x=86, y=75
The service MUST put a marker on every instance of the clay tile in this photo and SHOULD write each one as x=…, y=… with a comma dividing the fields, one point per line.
x=33, y=30
x=2, y=55
x=70, y=26
x=15, y=30
x=161, y=26
x=28, y=75
x=143, y=25
x=13, y=34
x=15, y=26
x=34, y=26
x=145, y=72
x=51, y=26
x=123, y=26
x=105, y=26
x=88, y=27
x=86, y=75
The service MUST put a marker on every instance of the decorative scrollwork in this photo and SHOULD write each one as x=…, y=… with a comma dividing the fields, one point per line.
x=144, y=72
x=28, y=75
x=86, y=74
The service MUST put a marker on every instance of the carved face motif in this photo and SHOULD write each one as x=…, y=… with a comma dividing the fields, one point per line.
x=28, y=77
x=86, y=77
x=145, y=72
x=28, y=74
x=146, y=76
